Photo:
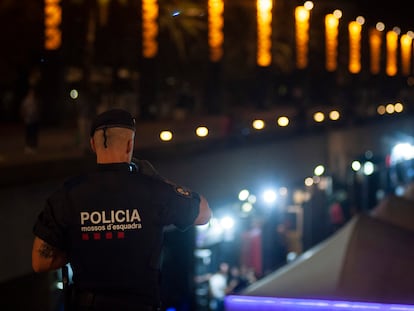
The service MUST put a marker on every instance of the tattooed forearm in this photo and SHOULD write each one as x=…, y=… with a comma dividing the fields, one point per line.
x=47, y=251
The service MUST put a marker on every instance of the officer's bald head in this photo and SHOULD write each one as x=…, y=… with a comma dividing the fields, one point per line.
x=114, y=144
x=112, y=137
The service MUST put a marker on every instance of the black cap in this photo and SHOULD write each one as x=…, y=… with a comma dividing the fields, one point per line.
x=113, y=118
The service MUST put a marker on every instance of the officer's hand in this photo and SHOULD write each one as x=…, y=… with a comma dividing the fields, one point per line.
x=146, y=168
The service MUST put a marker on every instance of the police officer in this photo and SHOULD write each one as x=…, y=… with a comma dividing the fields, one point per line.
x=108, y=224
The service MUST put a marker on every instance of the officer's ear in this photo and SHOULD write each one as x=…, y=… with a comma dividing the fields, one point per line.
x=130, y=145
x=92, y=143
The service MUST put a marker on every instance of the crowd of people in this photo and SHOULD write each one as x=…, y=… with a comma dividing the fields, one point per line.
x=226, y=280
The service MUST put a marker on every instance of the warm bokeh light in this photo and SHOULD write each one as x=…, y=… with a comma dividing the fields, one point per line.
x=331, y=42
x=73, y=94
x=308, y=5
x=392, y=47
x=406, y=54
x=215, y=29
x=201, y=131
x=166, y=135
x=389, y=108
x=258, y=124
x=149, y=28
x=264, y=32
x=308, y=181
x=337, y=13
x=318, y=116
x=334, y=115
x=283, y=121
x=302, y=16
x=354, y=65
x=398, y=107
x=381, y=109
x=103, y=11
x=375, y=42
x=380, y=26
x=52, y=23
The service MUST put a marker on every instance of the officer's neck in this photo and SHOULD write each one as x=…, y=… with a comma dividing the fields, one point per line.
x=112, y=157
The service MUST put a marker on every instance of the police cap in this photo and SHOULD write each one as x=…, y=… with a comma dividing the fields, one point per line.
x=113, y=118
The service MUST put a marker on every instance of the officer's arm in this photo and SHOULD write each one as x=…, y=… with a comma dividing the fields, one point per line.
x=46, y=257
x=204, y=213
x=146, y=168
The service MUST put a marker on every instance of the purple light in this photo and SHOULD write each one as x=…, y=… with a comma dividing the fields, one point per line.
x=252, y=303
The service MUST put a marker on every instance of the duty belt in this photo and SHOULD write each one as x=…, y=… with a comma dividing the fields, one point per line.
x=100, y=301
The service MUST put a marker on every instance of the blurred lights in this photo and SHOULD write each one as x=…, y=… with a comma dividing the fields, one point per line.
x=354, y=29
x=283, y=191
x=215, y=29
x=390, y=108
x=308, y=181
x=398, y=107
x=302, y=15
x=406, y=52
x=318, y=116
x=319, y=170
x=243, y=194
x=103, y=11
x=52, y=23
x=74, y=94
x=402, y=152
x=360, y=20
x=258, y=124
x=300, y=196
x=264, y=32
x=356, y=166
x=375, y=42
x=392, y=46
x=334, y=115
x=227, y=222
x=166, y=135
x=308, y=5
x=269, y=196
x=380, y=26
x=283, y=121
x=201, y=131
x=381, y=109
x=252, y=199
x=247, y=207
x=368, y=168
x=337, y=14
x=149, y=28
x=331, y=42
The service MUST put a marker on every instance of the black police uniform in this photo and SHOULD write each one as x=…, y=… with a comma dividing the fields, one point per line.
x=110, y=223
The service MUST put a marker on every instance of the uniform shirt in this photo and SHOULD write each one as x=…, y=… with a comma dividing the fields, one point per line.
x=110, y=223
